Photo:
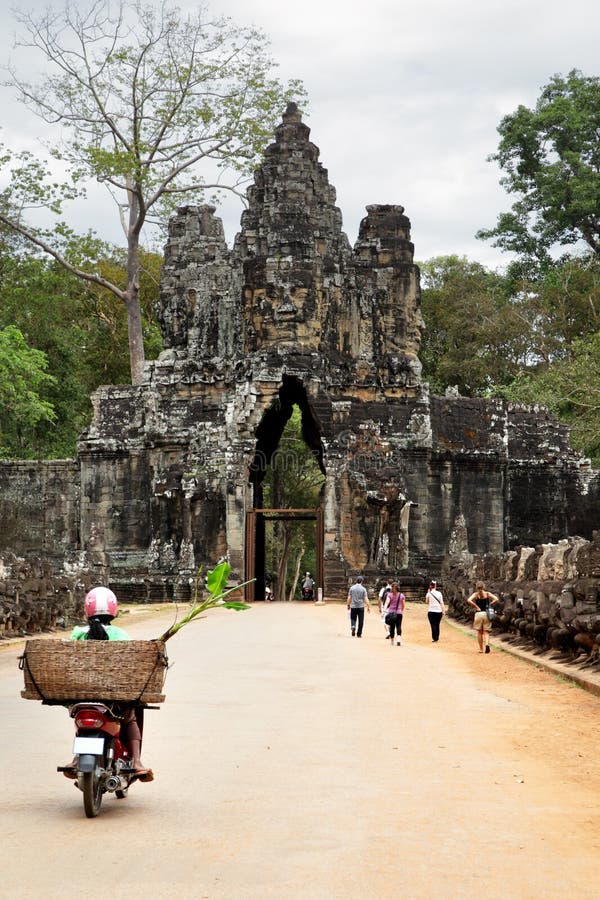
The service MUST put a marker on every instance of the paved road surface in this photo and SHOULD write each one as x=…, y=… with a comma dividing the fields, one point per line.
x=294, y=761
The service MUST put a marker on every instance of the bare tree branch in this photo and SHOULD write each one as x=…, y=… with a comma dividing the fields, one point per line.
x=51, y=251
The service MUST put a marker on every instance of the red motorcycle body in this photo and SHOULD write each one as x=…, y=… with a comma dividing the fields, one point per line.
x=101, y=758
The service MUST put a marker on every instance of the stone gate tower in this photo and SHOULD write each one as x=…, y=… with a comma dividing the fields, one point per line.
x=293, y=315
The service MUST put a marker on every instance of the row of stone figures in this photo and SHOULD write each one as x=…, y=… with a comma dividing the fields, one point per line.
x=559, y=616
x=36, y=598
x=522, y=622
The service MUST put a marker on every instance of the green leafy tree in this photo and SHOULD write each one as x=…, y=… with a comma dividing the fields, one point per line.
x=570, y=388
x=156, y=105
x=22, y=377
x=483, y=328
x=43, y=301
x=551, y=159
x=557, y=307
x=531, y=340
x=473, y=337
x=80, y=328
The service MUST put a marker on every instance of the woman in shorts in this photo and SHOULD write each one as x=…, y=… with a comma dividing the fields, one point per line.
x=482, y=600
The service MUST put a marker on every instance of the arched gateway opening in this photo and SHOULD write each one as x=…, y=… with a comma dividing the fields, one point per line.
x=285, y=496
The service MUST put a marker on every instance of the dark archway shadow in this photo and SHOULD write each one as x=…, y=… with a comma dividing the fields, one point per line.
x=268, y=435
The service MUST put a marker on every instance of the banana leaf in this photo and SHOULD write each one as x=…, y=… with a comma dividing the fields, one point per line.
x=216, y=581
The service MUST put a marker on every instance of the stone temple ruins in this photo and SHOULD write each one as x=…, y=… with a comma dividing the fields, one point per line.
x=168, y=476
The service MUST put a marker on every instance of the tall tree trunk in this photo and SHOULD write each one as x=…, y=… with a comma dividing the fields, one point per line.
x=283, y=563
x=136, y=336
x=134, y=311
x=297, y=570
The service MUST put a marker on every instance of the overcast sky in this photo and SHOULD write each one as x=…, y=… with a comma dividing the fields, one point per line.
x=405, y=99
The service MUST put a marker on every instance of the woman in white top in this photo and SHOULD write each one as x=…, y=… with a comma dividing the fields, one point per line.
x=436, y=610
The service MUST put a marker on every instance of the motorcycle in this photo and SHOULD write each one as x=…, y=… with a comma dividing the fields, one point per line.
x=102, y=764
x=307, y=593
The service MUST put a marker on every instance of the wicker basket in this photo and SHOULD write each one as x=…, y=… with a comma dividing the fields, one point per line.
x=94, y=670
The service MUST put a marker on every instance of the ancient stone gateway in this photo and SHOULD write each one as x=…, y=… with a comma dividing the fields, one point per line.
x=292, y=315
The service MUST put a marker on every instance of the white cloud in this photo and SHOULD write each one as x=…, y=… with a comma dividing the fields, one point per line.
x=405, y=99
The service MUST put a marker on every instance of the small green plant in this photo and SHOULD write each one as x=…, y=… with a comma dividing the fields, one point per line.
x=216, y=584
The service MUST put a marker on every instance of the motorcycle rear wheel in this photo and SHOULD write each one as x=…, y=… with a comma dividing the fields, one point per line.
x=92, y=794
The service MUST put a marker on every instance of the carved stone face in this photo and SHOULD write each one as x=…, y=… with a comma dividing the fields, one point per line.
x=277, y=314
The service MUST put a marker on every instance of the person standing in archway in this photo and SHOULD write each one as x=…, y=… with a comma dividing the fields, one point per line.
x=436, y=610
x=308, y=587
x=356, y=601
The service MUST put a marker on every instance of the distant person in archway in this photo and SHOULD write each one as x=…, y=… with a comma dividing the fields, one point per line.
x=482, y=600
x=308, y=587
x=435, y=610
x=357, y=600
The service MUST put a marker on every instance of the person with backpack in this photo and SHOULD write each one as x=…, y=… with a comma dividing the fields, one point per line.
x=483, y=601
x=394, y=611
x=382, y=598
x=436, y=610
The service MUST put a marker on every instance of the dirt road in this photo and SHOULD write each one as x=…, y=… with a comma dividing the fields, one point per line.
x=294, y=761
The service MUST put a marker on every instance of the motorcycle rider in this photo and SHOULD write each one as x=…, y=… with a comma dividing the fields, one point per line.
x=101, y=607
x=308, y=587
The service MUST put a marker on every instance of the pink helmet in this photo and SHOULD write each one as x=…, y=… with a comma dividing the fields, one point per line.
x=100, y=601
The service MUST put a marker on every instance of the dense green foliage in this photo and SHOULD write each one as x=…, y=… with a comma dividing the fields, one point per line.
x=293, y=481
x=570, y=388
x=492, y=334
x=471, y=336
x=557, y=306
x=23, y=379
x=80, y=330
x=550, y=156
x=551, y=159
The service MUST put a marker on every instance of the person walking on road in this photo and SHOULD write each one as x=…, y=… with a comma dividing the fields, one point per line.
x=482, y=600
x=385, y=590
x=394, y=611
x=436, y=610
x=357, y=599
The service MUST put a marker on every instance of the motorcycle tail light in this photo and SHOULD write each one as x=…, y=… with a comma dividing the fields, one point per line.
x=89, y=719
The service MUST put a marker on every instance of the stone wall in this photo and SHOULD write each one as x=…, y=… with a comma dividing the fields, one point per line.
x=37, y=595
x=39, y=506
